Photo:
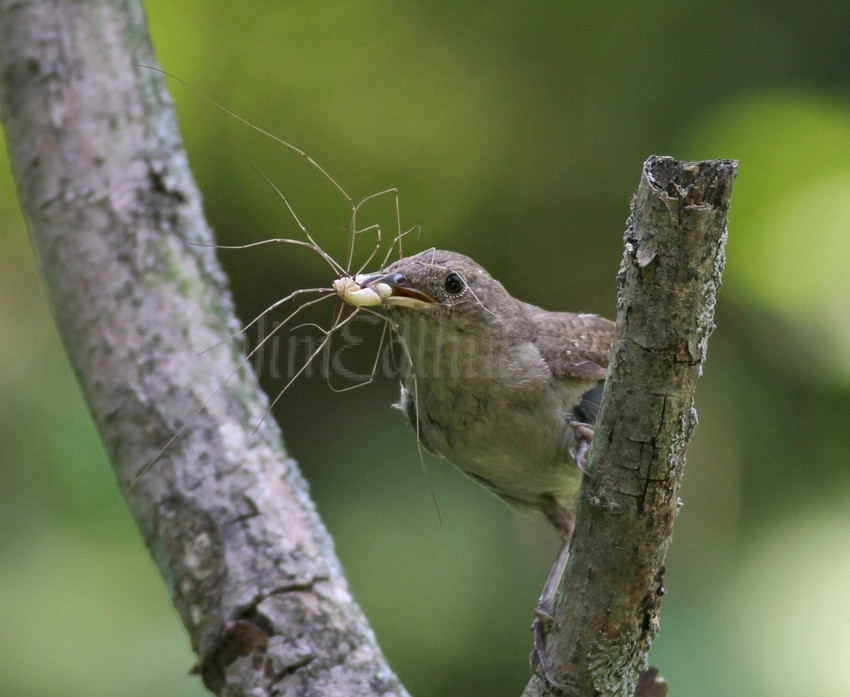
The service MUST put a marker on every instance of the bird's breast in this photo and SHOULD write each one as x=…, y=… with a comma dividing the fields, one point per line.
x=498, y=414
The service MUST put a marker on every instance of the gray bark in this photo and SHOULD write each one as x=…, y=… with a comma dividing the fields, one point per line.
x=112, y=209
x=607, y=615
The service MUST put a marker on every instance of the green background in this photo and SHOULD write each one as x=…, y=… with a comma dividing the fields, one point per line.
x=515, y=133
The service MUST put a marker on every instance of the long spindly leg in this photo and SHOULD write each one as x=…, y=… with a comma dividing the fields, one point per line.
x=543, y=612
x=328, y=333
x=258, y=129
x=355, y=231
x=375, y=363
x=179, y=432
x=310, y=242
x=238, y=333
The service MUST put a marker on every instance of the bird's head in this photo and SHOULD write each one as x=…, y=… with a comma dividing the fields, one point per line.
x=440, y=282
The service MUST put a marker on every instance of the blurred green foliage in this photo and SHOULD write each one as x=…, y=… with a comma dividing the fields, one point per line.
x=514, y=133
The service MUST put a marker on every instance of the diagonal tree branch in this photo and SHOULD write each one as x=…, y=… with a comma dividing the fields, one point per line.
x=112, y=210
x=669, y=278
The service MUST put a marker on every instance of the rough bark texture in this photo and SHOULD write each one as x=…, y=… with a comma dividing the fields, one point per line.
x=607, y=613
x=111, y=208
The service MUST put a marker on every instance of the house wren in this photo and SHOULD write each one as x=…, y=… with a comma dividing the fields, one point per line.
x=506, y=391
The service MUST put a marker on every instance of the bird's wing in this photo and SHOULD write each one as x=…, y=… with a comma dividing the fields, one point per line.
x=587, y=409
x=574, y=345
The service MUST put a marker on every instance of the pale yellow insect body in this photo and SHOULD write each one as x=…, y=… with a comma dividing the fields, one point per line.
x=351, y=291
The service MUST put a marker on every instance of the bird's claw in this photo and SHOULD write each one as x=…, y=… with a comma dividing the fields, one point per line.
x=539, y=629
x=583, y=439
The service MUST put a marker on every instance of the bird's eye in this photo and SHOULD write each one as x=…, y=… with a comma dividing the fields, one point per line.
x=453, y=283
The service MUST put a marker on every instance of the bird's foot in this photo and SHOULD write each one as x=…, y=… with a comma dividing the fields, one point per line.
x=544, y=612
x=539, y=629
x=583, y=439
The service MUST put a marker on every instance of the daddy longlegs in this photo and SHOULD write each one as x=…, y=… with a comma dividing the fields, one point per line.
x=346, y=287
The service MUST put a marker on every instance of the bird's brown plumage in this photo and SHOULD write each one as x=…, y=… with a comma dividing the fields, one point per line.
x=496, y=383
x=506, y=391
x=575, y=345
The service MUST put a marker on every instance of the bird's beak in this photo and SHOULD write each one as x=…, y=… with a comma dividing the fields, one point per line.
x=402, y=292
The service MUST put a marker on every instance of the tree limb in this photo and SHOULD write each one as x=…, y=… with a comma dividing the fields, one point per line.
x=113, y=211
x=668, y=281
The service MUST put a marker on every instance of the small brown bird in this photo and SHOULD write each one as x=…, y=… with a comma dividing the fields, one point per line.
x=506, y=391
